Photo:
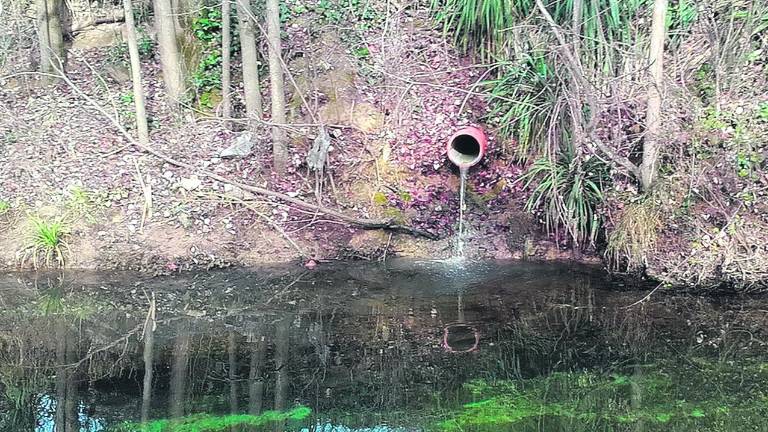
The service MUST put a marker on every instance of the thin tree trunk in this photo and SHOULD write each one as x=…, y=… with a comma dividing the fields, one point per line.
x=255, y=378
x=282, y=351
x=250, y=57
x=232, y=352
x=168, y=47
x=226, y=42
x=149, y=344
x=577, y=18
x=72, y=405
x=277, y=87
x=138, y=88
x=649, y=167
x=179, y=372
x=51, y=37
x=61, y=376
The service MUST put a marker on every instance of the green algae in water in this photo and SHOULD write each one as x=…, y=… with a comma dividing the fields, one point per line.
x=590, y=401
x=214, y=423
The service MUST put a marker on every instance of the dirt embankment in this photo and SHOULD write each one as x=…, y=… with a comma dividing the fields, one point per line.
x=390, y=103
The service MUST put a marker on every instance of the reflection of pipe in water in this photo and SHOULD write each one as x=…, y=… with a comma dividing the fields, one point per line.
x=456, y=333
x=450, y=340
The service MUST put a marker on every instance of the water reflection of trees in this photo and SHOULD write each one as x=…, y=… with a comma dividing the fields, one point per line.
x=370, y=355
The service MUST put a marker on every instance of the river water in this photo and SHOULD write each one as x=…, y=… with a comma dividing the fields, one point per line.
x=400, y=346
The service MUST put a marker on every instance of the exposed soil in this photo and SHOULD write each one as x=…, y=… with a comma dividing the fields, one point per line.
x=390, y=114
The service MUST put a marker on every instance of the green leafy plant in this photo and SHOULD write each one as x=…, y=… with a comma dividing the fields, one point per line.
x=127, y=98
x=763, y=111
x=747, y=163
x=206, y=78
x=146, y=45
x=117, y=54
x=207, y=26
x=47, y=243
x=524, y=98
x=5, y=206
x=567, y=192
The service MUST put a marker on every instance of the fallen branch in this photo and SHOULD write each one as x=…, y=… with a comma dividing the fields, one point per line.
x=117, y=17
x=368, y=224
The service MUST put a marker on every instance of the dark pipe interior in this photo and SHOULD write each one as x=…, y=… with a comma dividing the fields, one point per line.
x=466, y=145
x=464, y=150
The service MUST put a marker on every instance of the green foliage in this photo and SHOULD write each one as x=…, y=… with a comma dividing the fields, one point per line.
x=747, y=163
x=5, y=206
x=362, y=14
x=588, y=401
x=567, y=193
x=81, y=203
x=46, y=244
x=206, y=79
x=763, y=111
x=207, y=26
x=214, y=423
x=524, y=99
x=127, y=98
x=480, y=24
x=146, y=45
x=117, y=54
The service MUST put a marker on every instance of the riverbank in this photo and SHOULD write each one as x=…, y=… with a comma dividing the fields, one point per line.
x=388, y=90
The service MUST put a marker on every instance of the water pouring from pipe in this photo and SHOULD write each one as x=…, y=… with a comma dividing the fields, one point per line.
x=465, y=149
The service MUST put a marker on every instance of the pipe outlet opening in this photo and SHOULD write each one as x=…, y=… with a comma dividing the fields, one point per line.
x=466, y=147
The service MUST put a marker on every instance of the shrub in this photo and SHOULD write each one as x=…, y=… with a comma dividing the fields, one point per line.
x=567, y=192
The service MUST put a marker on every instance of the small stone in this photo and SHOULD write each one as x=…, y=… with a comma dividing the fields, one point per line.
x=166, y=214
x=242, y=146
x=168, y=175
x=190, y=183
x=184, y=220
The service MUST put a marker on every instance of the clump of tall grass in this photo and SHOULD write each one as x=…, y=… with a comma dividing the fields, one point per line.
x=46, y=244
x=634, y=236
x=567, y=192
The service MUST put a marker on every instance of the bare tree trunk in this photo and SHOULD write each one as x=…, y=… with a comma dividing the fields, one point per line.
x=149, y=344
x=250, y=56
x=179, y=372
x=649, y=167
x=51, y=37
x=282, y=351
x=72, y=405
x=255, y=379
x=277, y=87
x=226, y=42
x=61, y=376
x=138, y=88
x=168, y=46
x=232, y=352
x=578, y=6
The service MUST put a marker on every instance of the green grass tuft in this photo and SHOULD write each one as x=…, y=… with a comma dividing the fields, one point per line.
x=567, y=192
x=47, y=243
